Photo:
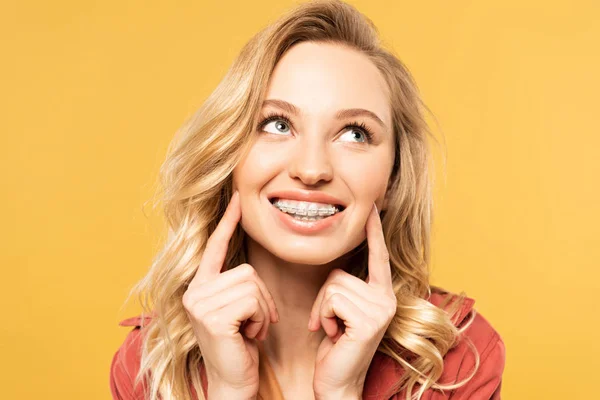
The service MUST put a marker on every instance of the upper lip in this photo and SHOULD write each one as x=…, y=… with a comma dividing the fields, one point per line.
x=306, y=195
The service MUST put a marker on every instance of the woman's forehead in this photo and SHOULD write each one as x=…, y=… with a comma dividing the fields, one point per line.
x=321, y=78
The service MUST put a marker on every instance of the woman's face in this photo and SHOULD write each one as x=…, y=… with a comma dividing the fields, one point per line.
x=307, y=161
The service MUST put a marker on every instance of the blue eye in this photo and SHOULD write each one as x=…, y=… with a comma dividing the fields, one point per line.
x=355, y=135
x=280, y=126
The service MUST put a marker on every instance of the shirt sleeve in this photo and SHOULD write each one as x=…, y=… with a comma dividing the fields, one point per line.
x=124, y=368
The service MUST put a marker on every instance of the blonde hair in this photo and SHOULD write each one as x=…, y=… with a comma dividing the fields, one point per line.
x=196, y=183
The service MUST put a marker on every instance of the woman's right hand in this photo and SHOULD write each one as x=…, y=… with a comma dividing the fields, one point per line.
x=221, y=306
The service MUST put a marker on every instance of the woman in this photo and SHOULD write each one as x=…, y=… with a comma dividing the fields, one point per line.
x=300, y=206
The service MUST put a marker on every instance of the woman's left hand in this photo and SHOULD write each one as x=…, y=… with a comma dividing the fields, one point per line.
x=366, y=309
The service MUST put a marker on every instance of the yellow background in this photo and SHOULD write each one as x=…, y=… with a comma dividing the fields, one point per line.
x=92, y=93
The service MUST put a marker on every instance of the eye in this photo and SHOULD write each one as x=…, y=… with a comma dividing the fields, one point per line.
x=280, y=126
x=357, y=133
x=354, y=135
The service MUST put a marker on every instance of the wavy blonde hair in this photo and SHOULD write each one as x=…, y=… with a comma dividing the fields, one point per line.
x=196, y=188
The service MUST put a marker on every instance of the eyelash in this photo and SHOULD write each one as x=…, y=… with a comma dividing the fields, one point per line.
x=356, y=125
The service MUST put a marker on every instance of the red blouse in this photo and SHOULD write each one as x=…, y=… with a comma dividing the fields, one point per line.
x=383, y=370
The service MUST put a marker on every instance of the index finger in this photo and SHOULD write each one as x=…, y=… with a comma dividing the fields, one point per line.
x=379, y=260
x=218, y=242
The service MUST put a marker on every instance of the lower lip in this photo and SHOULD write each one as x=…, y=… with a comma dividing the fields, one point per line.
x=306, y=227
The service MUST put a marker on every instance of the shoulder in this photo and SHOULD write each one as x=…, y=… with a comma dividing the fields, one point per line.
x=480, y=343
x=479, y=354
x=478, y=339
x=125, y=363
x=476, y=327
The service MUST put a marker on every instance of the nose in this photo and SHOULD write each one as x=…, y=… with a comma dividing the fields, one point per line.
x=310, y=163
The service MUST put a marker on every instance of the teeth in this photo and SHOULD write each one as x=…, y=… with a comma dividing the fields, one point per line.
x=306, y=210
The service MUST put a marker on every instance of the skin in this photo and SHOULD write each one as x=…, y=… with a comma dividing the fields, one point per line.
x=302, y=271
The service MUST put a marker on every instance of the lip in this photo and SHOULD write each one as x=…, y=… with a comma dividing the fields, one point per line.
x=306, y=195
x=305, y=227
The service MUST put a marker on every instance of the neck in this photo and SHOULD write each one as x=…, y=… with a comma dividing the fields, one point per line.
x=289, y=345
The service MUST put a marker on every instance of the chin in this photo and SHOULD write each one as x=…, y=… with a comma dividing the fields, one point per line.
x=307, y=258
x=311, y=252
x=305, y=253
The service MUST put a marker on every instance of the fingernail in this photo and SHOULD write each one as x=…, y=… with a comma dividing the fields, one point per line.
x=375, y=206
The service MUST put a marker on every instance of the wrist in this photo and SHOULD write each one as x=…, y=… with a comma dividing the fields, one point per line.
x=347, y=394
x=332, y=396
x=218, y=393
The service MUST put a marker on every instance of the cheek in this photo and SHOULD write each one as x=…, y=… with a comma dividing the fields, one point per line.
x=367, y=178
x=257, y=168
x=261, y=165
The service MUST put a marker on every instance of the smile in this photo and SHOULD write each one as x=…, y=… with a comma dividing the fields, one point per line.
x=305, y=210
x=304, y=216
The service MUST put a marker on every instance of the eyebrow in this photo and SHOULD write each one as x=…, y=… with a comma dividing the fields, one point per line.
x=344, y=113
